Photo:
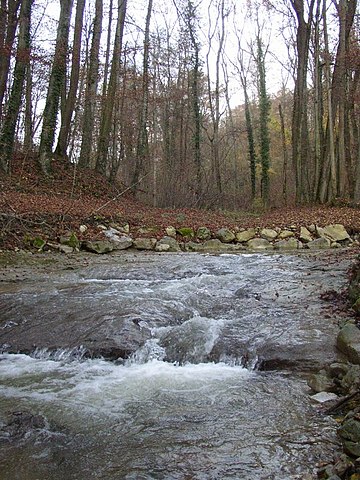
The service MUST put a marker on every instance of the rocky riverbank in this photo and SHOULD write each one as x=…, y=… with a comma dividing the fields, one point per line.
x=337, y=387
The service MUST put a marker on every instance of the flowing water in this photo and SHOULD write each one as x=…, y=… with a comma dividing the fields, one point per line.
x=215, y=387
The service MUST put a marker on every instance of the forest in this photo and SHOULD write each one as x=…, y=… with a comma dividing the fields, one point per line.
x=217, y=104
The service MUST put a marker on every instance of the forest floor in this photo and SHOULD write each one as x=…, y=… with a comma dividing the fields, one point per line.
x=32, y=206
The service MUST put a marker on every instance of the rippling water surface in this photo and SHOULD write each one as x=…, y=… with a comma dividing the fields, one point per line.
x=188, y=403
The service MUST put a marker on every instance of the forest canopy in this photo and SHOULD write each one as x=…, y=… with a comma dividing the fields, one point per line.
x=198, y=103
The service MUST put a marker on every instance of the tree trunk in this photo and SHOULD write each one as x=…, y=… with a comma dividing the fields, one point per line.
x=70, y=101
x=142, y=147
x=7, y=138
x=8, y=25
x=56, y=82
x=91, y=89
x=109, y=101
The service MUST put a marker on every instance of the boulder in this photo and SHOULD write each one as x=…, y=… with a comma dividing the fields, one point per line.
x=122, y=243
x=170, y=231
x=145, y=243
x=348, y=342
x=349, y=433
x=289, y=244
x=320, y=382
x=269, y=234
x=203, y=233
x=318, y=243
x=259, y=244
x=246, y=235
x=98, y=246
x=284, y=234
x=225, y=235
x=350, y=382
x=305, y=236
x=167, y=244
x=335, y=232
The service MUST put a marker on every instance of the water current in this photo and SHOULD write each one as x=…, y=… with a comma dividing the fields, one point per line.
x=215, y=388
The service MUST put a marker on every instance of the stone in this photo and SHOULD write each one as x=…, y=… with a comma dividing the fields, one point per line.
x=167, y=244
x=246, y=235
x=323, y=397
x=186, y=232
x=318, y=243
x=320, y=382
x=122, y=243
x=225, y=235
x=350, y=382
x=125, y=228
x=170, y=231
x=312, y=228
x=145, y=243
x=65, y=249
x=98, y=246
x=203, y=233
x=348, y=342
x=335, y=232
x=305, y=236
x=284, y=234
x=338, y=370
x=350, y=430
x=289, y=244
x=259, y=244
x=83, y=228
x=269, y=234
x=196, y=247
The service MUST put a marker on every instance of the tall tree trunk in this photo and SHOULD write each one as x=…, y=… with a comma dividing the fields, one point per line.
x=142, y=147
x=91, y=89
x=56, y=82
x=300, y=133
x=8, y=25
x=70, y=101
x=109, y=101
x=7, y=138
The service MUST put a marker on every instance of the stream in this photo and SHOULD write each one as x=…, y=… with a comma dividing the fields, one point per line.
x=167, y=366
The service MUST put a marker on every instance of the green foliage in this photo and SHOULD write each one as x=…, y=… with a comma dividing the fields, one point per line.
x=39, y=243
x=186, y=232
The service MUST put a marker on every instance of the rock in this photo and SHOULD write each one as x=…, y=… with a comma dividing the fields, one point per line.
x=348, y=342
x=70, y=240
x=83, y=228
x=289, y=244
x=225, y=235
x=284, y=234
x=125, y=228
x=338, y=370
x=170, y=231
x=65, y=249
x=246, y=235
x=186, y=232
x=195, y=247
x=350, y=430
x=145, y=243
x=269, y=234
x=203, y=233
x=167, y=244
x=305, y=236
x=122, y=243
x=98, y=246
x=312, y=228
x=259, y=244
x=323, y=397
x=351, y=380
x=318, y=243
x=320, y=382
x=335, y=232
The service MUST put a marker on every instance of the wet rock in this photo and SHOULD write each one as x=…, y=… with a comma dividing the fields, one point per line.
x=318, y=243
x=259, y=244
x=348, y=342
x=225, y=235
x=203, y=233
x=246, y=235
x=145, y=243
x=269, y=234
x=320, y=382
x=324, y=397
x=98, y=246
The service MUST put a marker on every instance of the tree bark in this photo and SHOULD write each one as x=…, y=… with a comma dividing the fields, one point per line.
x=56, y=82
x=7, y=138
